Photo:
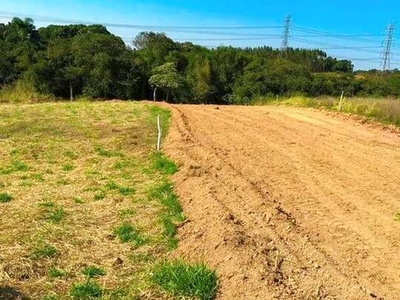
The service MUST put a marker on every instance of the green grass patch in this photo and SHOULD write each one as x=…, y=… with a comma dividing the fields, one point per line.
x=126, y=212
x=163, y=164
x=78, y=200
x=5, y=197
x=169, y=232
x=397, y=218
x=71, y=154
x=186, y=280
x=15, y=166
x=53, y=213
x=63, y=181
x=107, y=153
x=164, y=193
x=99, y=196
x=172, y=211
x=38, y=177
x=67, y=167
x=86, y=290
x=126, y=233
x=126, y=191
x=44, y=251
x=112, y=186
x=93, y=271
x=56, y=273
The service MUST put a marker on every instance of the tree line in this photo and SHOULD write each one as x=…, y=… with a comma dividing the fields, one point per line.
x=74, y=60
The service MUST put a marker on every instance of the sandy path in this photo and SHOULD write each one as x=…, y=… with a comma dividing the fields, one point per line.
x=289, y=203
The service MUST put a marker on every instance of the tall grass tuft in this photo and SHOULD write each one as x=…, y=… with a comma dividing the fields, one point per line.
x=22, y=91
x=185, y=280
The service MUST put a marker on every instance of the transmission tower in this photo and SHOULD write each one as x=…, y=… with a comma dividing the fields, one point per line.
x=387, y=48
x=286, y=33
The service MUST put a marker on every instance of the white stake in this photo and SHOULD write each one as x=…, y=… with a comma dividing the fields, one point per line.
x=159, y=133
x=341, y=101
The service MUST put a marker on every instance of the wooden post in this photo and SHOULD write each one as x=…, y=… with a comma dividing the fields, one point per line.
x=341, y=101
x=158, y=133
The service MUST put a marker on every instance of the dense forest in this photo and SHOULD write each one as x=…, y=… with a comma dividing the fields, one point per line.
x=90, y=61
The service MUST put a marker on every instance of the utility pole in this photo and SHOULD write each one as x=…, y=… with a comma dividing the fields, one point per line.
x=286, y=33
x=387, y=48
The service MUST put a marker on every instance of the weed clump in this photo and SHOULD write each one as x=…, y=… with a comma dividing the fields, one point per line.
x=86, y=290
x=5, y=197
x=56, y=273
x=164, y=165
x=126, y=191
x=93, y=271
x=126, y=233
x=15, y=166
x=99, y=196
x=185, y=280
x=67, y=167
x=78, y=200
x=52, y=212
x=107, y=153
x=44, y=251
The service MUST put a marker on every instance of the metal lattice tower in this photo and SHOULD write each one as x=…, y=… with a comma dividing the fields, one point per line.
x=286, y=33
x=387, y=48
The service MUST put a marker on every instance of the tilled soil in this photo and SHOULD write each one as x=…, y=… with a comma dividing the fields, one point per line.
x=288, y=203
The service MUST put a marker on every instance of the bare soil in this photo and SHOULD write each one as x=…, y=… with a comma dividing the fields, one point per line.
x=288, y=203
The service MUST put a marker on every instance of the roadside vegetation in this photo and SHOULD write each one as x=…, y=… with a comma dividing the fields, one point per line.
x=87, y=207
x=385, y=111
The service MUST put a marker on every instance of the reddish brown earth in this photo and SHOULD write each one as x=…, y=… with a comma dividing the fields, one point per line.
x=288, y=203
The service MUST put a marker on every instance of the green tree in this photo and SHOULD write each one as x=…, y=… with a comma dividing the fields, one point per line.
x=165, y=77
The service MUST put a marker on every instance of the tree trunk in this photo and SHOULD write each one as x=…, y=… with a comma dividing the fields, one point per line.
x=71, y=92
x=167, y=95
x=155, y=94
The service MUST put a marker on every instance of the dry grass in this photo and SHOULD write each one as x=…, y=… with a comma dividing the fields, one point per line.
x=22, y=91
x=386, y=111
x=55, y=161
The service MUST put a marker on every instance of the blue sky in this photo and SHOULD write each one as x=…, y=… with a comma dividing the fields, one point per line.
x=339, y=17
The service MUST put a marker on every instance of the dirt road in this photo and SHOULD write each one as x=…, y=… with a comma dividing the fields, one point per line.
x=289, y=203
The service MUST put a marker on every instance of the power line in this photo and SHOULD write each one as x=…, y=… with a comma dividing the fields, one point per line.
x=134, y=26
x=335, y=46
x=337, y=36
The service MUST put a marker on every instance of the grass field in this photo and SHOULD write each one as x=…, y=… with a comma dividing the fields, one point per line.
x=87, y=209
